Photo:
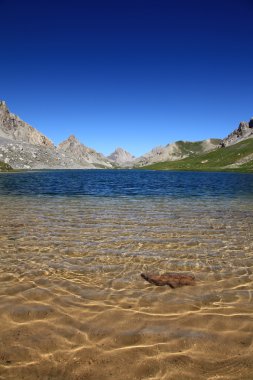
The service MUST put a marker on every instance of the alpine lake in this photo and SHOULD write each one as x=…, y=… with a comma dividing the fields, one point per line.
x=73, y=245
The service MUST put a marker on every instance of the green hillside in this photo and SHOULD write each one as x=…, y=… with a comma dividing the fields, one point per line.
x=238, y=157
x=196, y=147
x=5, y=167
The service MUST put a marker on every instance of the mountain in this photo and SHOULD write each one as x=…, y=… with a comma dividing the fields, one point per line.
x=23, y=147
x=82, y=154
x=237, y=156
x=21, y=155
x=234, y=152
x=121, y=156
x=13, y=128
x=243, y=132
x=177, y=151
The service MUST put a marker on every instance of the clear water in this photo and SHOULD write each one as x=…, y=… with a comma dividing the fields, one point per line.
x=73, y=304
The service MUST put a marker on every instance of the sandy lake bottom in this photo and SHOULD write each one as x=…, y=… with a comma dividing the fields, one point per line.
x=73, y=305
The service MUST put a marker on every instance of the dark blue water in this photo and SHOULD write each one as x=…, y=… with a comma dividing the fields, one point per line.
x=115, y=183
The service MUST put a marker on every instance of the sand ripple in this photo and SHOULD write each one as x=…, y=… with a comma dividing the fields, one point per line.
x=73, y=304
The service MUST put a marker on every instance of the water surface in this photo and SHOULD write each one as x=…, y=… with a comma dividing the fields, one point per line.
x=73, y=304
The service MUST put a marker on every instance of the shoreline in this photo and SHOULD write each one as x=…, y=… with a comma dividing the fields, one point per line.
x=207, y=170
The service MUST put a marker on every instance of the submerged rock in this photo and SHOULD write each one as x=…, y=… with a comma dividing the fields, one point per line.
x=174, y=280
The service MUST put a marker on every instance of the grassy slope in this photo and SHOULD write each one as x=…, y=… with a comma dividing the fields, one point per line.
x=193, y=148
x=219, y=159
x=5, y=167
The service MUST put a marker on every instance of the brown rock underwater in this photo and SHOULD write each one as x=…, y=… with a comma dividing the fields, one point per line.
x=174, y=280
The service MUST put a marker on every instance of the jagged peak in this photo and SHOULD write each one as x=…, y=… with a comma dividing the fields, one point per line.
x=120, y=150
x=70, y=139
x=3, y=104
x=243, y=132
x=14, y=128
x=120, y=155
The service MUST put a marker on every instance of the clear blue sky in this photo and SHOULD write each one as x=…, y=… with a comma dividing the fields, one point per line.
x=130, y=73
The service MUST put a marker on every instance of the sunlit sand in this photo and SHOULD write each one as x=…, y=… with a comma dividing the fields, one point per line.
x=73, y=304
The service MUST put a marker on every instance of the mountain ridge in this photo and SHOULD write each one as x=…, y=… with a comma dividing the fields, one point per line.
x=24, y=147
x=177, y=151
x=243, y=132
x=14, y=128
x=82, y=153
x=236, y=157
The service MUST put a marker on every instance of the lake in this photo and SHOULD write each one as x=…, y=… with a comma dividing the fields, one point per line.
x=72, y=247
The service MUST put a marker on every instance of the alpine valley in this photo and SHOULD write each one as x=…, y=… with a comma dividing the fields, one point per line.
x=24, y=147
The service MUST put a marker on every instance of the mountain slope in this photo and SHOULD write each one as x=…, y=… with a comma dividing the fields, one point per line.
x=23, y=147
x=21, y=155
x=82, y=154
x=5, y=167
x=235, y=157
x=243, y=132
x=12, y=127
x=177, y=151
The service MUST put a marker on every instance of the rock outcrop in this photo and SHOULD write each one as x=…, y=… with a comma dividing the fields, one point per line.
x=82, y=154
x=13, y=128
x=121, y=156
x=243, y=132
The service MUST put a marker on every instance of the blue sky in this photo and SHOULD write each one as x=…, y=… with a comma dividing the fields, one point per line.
x=135, y=74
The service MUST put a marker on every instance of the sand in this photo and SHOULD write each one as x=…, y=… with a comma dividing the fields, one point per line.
x=73, y=304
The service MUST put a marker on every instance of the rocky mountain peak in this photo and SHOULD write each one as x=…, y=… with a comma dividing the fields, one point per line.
x=3, y=104
x=121, y=156
x=82, y=154
x=243, y=132
x=70, y=142
x=13, y=128
x=72, y=138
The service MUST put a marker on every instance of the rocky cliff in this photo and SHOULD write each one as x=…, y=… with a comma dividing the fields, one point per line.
x=121, y=156
x=13, y=128
x=243, y=132
x=82, y=154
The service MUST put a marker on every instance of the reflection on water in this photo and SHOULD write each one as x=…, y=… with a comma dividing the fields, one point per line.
x=73, y=304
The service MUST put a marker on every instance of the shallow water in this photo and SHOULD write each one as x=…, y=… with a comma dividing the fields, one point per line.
x=73, y=305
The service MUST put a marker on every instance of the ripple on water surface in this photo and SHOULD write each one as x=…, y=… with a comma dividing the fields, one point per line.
x=73, y=304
